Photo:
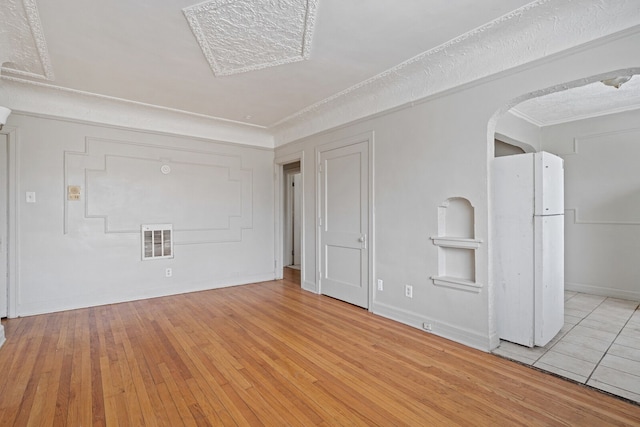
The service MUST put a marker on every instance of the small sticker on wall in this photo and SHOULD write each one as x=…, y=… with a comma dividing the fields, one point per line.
x=73, y=192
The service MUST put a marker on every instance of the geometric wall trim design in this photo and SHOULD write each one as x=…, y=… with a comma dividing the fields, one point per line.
x=237, y=36
x=605, y=163
x=206, y=196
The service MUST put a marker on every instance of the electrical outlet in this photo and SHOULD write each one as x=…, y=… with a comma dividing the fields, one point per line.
x=426, y=326
x=380, y=285
x=168, y=272
x=408, y=291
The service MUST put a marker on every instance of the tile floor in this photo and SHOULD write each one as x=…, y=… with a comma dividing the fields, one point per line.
x=599, y=345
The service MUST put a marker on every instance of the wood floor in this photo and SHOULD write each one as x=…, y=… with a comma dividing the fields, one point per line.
x=269, y=354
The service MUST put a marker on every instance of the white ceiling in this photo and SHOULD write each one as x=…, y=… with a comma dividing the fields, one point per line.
x=262, y=62
x=582, y=102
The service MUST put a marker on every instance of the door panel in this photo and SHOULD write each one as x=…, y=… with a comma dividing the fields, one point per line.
x=344, y=218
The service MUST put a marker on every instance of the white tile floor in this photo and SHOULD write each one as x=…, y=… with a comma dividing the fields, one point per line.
x=599, y=345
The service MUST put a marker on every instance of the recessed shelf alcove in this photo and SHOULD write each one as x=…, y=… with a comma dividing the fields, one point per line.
x=457, y=246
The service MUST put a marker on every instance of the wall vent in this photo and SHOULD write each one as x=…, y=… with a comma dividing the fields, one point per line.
x=157, y=241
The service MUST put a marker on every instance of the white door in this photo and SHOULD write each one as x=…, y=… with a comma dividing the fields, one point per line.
x=344, y=223
x=3, y=224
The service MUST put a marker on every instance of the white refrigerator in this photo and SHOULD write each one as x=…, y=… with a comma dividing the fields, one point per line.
x=528, y=247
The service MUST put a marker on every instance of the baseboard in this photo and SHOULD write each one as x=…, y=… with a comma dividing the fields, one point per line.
x=494, y=341
x=98, y=300
x=442, y=329
x=602, y=291
x=309, y=286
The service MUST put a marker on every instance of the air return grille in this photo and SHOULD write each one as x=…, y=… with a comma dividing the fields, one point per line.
x=157, y=241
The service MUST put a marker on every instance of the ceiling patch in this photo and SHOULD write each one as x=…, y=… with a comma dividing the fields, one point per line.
x=237, y=36
x=23, y=48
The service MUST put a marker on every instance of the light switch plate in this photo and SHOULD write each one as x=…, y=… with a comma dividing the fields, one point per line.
x=73, y=192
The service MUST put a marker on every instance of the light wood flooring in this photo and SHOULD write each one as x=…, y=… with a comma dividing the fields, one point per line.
x=270, y=354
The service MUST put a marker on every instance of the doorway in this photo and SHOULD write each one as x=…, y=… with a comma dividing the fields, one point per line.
x=344, y=223
x=292, y=227
x=4, y=185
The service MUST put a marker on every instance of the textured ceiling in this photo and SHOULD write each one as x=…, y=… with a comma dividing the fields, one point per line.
x=145, y=50
x=581, y=102
x=23, y=41
x=270, y=65
x=247, y=35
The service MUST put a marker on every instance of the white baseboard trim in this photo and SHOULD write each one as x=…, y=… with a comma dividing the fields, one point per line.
x=602, y=291
x=494, y=341
x=2, y=338
x=460, y=335
x=309, y=286
x=176, y=289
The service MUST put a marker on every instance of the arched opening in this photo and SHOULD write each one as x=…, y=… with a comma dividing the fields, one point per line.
x=594, y=128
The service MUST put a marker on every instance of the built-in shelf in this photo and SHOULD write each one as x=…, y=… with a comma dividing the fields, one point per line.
x=457, y=246
x=456, y=242
x=457, y=283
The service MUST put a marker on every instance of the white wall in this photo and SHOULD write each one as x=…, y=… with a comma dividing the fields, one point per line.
x=219, y=198
x=74, y=254
x=426, y=154
x=502, y=149
x=602, y=201
x=517, y=131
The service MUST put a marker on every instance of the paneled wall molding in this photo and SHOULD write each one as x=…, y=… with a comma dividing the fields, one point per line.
x=586, y=138
x=601, y=178
x=579, y=221
x=118, y=177
x=594, y=136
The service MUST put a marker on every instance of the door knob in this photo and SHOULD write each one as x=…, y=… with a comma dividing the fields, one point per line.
x=361, y=239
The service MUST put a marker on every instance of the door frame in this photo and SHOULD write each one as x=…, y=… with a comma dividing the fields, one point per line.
x=289, y=218
x=280, y=213
x=368, y=138
x=13, y=216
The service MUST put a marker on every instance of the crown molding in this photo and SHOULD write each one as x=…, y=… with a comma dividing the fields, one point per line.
x=540, y=29
x=519, y=114
x=47, y=100
x=532, y=32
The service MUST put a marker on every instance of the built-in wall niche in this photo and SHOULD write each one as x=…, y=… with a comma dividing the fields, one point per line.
x=457, y=246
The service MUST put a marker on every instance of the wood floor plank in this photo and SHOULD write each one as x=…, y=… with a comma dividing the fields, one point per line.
x=270, y=354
